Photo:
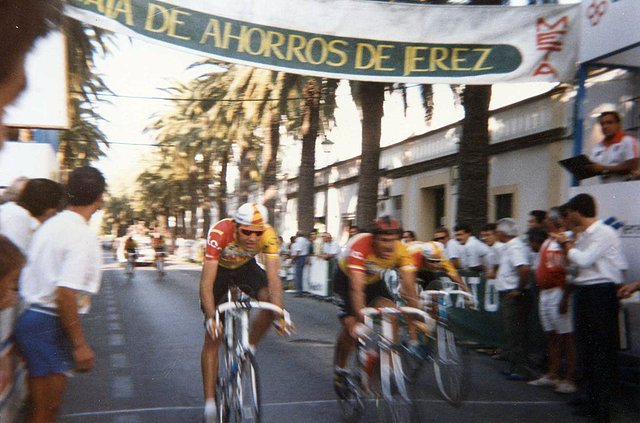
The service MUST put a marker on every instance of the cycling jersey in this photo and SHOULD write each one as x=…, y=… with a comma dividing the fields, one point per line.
x=358, y=256
x=223, y=247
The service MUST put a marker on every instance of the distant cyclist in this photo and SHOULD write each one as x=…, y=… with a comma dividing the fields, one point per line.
x=358, y=284
x=130, y=248
x=159, y=245
x=232, y=245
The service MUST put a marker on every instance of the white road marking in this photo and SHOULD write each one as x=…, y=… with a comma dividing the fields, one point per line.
x=122, y=387
x=297, y=403
x=119, y=361
x=116, y=340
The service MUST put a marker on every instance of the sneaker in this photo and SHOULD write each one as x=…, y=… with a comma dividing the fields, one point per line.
x=340, y=383
x=544, y=381
x=566, y=387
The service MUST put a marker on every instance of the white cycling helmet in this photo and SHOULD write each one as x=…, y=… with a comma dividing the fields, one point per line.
x=430, y=250
x=252, y=214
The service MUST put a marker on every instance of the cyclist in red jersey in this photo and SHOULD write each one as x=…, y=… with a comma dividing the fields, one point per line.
x=232, y=245
x=358, y=284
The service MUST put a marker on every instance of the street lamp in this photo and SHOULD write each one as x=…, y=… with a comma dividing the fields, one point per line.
x=327, y=144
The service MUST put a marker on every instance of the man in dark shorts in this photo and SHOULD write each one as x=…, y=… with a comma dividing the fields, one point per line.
x=232, y=245
x=358, y=284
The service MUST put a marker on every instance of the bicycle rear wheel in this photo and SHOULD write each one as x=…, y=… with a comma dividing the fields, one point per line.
x=351, y=403
x=448, y=366
x=247, y=407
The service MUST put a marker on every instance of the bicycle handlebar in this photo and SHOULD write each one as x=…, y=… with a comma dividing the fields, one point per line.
x=250, y=305
x=379, y=311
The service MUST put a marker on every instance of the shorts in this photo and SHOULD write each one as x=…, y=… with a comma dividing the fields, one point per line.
x=342, y=294
x=249, y=277
x=550, y=317
x=40, y=338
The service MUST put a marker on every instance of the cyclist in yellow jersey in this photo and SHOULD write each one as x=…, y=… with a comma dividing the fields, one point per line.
x=358, y=284
x=232, y=245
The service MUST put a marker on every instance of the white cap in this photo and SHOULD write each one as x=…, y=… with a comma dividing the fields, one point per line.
x=252, y=214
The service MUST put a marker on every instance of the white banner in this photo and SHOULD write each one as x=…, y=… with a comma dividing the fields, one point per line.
x=359, y=39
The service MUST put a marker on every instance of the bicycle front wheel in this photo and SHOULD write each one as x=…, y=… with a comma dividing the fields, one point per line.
x=448, y=366
x=396, y=404
x=248, y=406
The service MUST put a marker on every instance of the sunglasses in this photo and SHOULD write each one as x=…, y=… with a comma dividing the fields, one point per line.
x=440, y=238
x=249, y=232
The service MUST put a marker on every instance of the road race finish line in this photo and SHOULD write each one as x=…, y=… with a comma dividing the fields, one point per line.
x=369, y=40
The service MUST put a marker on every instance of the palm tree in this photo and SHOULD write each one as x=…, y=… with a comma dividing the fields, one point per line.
x=80, y=144
x=369, y=97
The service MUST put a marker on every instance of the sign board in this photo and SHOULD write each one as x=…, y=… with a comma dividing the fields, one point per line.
x=43, y=104
x=358, y=39
x=610, y=32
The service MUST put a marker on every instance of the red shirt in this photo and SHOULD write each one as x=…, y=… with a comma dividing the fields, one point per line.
x=551, y=268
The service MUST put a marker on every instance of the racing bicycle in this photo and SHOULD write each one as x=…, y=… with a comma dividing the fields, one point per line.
x=237, y=386
x=445, y=354
x=377, y=372
x=130, y=265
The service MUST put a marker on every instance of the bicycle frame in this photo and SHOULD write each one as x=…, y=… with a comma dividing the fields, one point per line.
x=392, y=377
x=237, y=355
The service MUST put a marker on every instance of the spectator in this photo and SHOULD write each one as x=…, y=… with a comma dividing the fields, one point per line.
x=616, y=156
x=512, y=283
x=39, y=200
x=283, y=253
x=11, y=262
x=452, y=248
x=408, y=237
x=536, y=219
x=12, y=192
x=329, y=251
x=489, y=237
x=300, y=249
x=597, y=254
x=63, y=270
x=474, y=255
x=316, y=244
x=353, y=231
x=21, y=24
x=556, y=320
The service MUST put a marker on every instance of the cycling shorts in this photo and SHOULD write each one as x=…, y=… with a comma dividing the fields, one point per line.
x=43, y=343
x=249, y=277
x=342, y=294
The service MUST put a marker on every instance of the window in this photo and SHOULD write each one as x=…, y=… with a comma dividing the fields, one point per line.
x=504, y=206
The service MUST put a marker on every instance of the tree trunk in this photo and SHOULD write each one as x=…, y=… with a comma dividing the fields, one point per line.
x=473, y=158
x=207, y=178
x=310, y=122
x=269, y=162
x=221, y=195
x=371, y=102
x=245, y=174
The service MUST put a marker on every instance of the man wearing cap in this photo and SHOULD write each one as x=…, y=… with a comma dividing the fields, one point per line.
x=358, y=284
x=232, y=245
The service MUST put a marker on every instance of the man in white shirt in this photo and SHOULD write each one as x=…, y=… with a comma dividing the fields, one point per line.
x=597, y=254
x=452, y=247
x=299, y=251
x=474, y=255
x=489, y=237
x=63, y=270
x=512, y=283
